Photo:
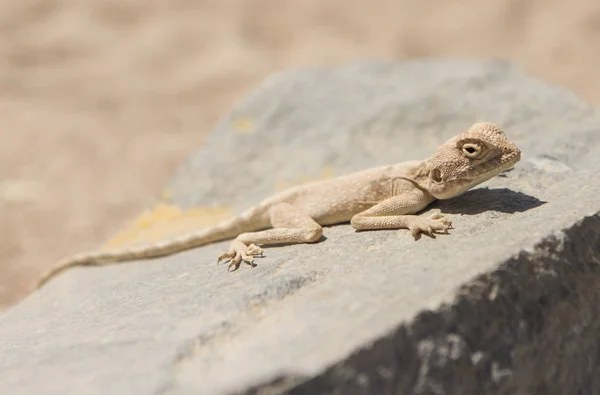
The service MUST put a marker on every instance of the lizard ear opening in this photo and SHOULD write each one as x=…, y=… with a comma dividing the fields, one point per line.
x=436, y=175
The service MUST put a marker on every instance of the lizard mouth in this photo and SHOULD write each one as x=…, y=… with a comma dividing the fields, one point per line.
x=507, y=162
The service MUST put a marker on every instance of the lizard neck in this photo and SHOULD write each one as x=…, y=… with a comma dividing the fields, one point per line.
x=415, y=172
x=420, y=175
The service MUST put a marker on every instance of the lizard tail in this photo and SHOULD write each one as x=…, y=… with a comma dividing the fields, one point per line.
x=225, y=230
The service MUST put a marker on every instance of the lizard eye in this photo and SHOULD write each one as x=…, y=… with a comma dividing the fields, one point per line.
x=471, y=150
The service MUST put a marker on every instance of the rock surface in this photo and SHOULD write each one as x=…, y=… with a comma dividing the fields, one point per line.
x=507, y=303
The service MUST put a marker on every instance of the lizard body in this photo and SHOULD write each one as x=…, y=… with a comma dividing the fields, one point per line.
x=384, y=197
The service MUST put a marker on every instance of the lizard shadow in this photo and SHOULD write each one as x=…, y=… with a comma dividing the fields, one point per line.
x=477, y=201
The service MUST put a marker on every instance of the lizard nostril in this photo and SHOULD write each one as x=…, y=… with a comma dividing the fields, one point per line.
x=436, y=175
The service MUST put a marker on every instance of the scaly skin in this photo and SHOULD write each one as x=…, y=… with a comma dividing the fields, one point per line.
x=386, y=197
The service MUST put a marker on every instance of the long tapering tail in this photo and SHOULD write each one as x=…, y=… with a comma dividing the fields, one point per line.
x=225, y=230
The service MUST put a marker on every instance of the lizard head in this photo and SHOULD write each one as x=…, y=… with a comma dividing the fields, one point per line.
x=469, y=159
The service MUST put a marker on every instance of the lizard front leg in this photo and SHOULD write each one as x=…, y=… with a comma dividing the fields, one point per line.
x=395, y=213
x=290, y=226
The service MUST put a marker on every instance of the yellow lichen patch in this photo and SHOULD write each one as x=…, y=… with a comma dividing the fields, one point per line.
x=243, y=125
x=167, y=221
x=326, y=174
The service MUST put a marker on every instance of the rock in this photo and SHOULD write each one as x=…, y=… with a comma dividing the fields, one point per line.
x=507, y=303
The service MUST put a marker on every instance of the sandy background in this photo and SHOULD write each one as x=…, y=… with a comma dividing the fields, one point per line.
x=101, y=99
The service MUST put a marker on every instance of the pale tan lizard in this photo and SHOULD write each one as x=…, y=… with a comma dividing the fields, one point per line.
x=386, y=197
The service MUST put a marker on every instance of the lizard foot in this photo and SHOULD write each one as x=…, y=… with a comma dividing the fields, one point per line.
x=239, y=253
x=436, y=223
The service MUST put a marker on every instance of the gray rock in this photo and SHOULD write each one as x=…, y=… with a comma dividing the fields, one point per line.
x=507, y=303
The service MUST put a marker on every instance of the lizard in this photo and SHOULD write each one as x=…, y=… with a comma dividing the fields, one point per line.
x=383, y=197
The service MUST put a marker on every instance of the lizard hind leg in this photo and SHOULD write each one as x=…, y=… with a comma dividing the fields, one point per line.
x=289, y=226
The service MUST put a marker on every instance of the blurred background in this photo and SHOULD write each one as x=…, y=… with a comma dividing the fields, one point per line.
x=100, y=100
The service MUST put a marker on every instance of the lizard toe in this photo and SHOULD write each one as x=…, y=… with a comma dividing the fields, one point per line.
x=414, y=231
x=235, y=262
x=249, y=259
x=441, y=218
x=254, y=250
x=226, y=256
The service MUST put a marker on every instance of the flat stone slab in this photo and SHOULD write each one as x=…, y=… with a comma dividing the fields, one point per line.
x=507, y=303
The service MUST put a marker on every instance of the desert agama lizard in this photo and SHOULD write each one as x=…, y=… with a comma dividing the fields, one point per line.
x=385, y=197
